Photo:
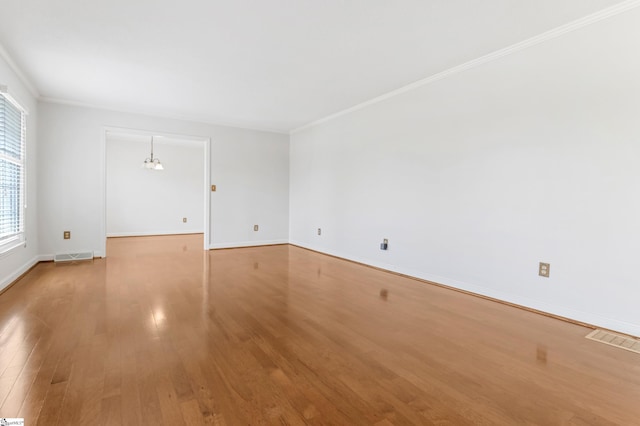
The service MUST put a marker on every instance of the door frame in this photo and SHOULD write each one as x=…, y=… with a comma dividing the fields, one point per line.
x=205, y=140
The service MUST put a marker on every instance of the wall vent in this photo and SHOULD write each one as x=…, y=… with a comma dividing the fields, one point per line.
x=617, y=340
x=70, y=257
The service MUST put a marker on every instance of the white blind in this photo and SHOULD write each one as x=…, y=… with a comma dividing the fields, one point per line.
x=12, y=141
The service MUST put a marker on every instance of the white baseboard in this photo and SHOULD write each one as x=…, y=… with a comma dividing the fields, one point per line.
x=247, y=244
x=539, y=305
x=7, y=281
x=563, y=311
x=151, y=233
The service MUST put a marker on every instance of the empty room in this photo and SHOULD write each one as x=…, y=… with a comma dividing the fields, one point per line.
x=323, y=213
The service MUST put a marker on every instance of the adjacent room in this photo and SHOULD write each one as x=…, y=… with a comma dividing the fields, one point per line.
x=139, y=203
x=344, y=213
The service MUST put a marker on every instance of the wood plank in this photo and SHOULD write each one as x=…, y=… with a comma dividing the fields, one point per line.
x=161, y=332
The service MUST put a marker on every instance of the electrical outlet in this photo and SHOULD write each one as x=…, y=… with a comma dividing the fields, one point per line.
x=384, y=245
x=319, y=231
x=66, y=235
x=213, y=188
x=255, y=227
x=184, y=220
x=543, y=269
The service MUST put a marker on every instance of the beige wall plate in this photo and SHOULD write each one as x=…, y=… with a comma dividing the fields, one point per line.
x=544, y=269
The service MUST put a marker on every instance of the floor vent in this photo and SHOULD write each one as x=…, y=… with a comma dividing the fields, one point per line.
x=70, y=257
x=617, y=340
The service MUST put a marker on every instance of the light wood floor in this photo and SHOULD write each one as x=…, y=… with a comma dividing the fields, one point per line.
x=161, y=332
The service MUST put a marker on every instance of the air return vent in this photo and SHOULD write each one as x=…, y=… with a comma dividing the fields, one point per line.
x=70, y=257
x=617, y=340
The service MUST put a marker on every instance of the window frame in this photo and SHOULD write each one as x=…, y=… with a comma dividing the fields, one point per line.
x=13, y=242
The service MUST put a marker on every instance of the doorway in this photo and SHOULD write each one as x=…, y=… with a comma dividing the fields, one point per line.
x=141, y=201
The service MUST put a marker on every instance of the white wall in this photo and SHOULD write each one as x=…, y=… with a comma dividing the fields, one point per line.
x=71, y=178
x=476, y=178
x=148, y=202
x=18, y=261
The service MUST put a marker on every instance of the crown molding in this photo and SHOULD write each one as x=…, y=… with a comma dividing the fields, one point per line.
x=16, y=69
x=540, y=38
x=160, y=114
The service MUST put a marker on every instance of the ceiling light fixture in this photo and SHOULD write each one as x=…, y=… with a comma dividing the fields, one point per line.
x=152, y=163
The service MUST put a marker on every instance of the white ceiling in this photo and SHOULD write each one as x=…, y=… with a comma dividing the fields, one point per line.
x=276, y=64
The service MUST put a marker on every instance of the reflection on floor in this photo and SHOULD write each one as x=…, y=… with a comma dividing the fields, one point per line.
x=162, y=332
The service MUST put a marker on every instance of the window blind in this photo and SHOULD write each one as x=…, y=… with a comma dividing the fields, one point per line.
x=12, y=180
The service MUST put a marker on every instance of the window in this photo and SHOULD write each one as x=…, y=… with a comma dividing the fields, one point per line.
x=12, y=179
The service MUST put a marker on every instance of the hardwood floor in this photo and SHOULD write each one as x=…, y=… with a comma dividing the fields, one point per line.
x=162, y=332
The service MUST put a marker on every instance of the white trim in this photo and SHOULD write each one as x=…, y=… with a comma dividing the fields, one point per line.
x=16, y=69
x=11, y=246
x=148, y=133
x=6, y=281
x=150, y=234
x=160, y=114
x=207, y=193
x=563, y=311
x=4, y=91
x=247, y=244
x=540, y=38
x=103, y=187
